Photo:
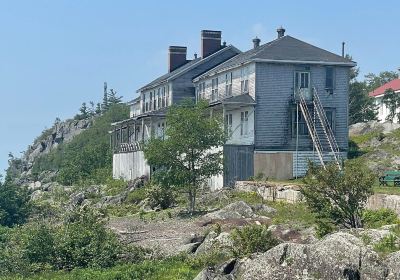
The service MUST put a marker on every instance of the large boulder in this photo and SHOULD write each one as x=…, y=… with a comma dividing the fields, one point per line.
x=393, y=265
x=337, y=256
x=236, y=210
x=215, y=241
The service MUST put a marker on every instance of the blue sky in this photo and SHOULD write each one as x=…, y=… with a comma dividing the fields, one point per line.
x=54, y=55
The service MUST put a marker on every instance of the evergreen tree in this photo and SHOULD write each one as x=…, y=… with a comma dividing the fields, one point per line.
x=98, y=109
x=84, y=113
x=92, y=109
x=113, y=98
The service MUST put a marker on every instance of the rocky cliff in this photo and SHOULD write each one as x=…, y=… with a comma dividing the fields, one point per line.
x=50, y=139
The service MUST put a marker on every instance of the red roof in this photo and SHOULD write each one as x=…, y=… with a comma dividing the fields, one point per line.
x=394, y=85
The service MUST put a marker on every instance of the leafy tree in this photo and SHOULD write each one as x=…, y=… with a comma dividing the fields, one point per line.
x=338, y=197
x=374, y=81
x=189, y=155
x=392, y=102
x=361, y=106
x=113, y=98
x=14, y=203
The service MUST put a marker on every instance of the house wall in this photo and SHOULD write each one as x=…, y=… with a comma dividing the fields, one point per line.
x=129, y=166
x=236, y=81
x=183, y=87
x=383, y=111
x=274, y=92
x=238, y=163
x=236, y=138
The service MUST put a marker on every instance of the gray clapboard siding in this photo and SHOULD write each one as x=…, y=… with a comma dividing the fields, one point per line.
x=274, y=91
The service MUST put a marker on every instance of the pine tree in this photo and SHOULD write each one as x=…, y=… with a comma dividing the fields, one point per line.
x=91, y=109
x=113, y=98
x=83, y=111
x=98, y=109
x=105, y=104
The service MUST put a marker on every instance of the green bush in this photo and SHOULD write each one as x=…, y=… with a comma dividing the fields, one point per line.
x=162, y=197
x=378, y=218
x=252, y=239
x=137, y=195
x=15, y=205
x=387, y=245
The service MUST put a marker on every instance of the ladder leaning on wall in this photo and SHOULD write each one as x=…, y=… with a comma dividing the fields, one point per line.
x=317, y=135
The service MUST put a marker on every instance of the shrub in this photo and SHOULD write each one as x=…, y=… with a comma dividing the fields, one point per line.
x=378, y=218
x=84, y=241
x=160, y=197
x=338, y=197
x=15, y=205
x=388, y=244
x=137, y=195
x=252, y=239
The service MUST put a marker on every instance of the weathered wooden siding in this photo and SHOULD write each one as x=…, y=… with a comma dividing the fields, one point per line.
x=182, y=87
x=238, y=163
x=129, y=166
x=274, y=91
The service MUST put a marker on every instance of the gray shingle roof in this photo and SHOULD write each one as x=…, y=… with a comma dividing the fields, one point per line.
x=184, y=68
x=165, y=77
x=283, y=49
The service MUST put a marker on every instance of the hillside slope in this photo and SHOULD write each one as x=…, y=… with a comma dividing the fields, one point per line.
x=68, y=152
x=377, y=144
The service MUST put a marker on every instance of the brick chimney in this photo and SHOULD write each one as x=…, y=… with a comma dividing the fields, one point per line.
x=210, y=42
x=176, y=57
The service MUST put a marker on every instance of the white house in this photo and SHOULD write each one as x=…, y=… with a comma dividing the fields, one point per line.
x=378, y=94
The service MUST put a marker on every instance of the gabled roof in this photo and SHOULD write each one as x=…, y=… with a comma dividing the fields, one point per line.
x=283, y=50
x=394, y=85
x=184, y=68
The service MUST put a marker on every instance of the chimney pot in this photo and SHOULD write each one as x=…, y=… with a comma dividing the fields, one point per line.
x=195, y=55
x=256, y=42
x=176, y=57
x=281, y=32
x=210, y=42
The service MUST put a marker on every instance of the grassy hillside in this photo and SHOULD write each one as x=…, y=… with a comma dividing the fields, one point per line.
x=88, y=157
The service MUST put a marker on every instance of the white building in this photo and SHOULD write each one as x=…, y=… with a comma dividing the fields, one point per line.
x=378, y=94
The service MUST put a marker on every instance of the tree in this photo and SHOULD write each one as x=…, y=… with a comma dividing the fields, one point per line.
x=84, y=112
x=98, y=109
x=392, y=102
x=361, y=106
x=14, y=203
x=105, y=105
x=190, y=153
x=337, y=198
x=113, y=98
x=374, y=81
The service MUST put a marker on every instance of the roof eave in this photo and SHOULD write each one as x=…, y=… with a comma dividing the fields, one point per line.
x=212, y=73
x=289, y=61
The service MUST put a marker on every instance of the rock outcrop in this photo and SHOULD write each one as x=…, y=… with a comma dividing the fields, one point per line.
x=61, y=132
x=337, y=256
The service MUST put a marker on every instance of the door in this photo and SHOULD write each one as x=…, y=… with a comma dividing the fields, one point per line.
x=302, y=84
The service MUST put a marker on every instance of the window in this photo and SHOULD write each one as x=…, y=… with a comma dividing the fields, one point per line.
x=302, y=80
x=159, y=98
x=228, y=124
x=330, y=79
x=330, y=115
x=151, y=101
x=214, y=89
x=201, y=91
x=228, y=84
x=167, y=98
x=244, y=123
x=163, y=97
x=303, y=130
x=244, y=82
x=154, y=100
